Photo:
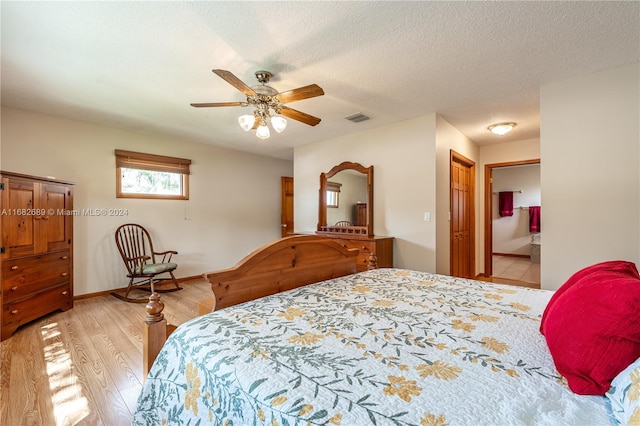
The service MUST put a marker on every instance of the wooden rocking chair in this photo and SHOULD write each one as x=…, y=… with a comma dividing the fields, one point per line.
x=344, y=223
x=136, y=249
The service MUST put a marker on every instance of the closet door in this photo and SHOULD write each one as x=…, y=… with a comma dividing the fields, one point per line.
x=462, y=222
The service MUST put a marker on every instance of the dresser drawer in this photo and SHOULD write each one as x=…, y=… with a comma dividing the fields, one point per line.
x=25, y=310
x=23, y=285
x=28, y=265
x=366, y=248
x=381, y=247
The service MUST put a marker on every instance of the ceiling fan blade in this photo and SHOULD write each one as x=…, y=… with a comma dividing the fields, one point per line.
x=298, y=115
x=218, y=104
x=300, y=93
x=235, y=82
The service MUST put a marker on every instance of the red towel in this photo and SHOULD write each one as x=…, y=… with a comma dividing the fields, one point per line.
x=505, y=203
x=534, y=218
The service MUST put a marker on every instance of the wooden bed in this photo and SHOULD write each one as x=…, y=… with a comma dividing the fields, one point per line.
x=383, y=346
x=279, y=266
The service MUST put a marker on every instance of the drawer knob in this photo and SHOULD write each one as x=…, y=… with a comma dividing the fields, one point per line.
x=14, y=288
x=14, y=267
x=64, y=274
x=65, y=257
x=15, y=311
x=64, y=293
x=45, y=217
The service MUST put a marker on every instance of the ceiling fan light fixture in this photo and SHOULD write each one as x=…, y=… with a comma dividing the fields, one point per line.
x=501, y=129
x=278, y=123
x=266, y=102
x=246, y=121
x=263, y=132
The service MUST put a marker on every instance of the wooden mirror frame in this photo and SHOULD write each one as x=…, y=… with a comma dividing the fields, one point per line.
x=322, y=209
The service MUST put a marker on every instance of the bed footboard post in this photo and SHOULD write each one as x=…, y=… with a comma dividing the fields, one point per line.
x=373, y=262
x=155, y=332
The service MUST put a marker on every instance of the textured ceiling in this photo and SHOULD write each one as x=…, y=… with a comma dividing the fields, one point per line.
x=139, y=64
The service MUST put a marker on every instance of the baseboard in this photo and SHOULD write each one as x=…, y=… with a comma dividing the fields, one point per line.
x=106, y=292
x=524, y=256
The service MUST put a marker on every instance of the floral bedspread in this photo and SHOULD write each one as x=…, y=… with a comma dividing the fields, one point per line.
x=382, y=347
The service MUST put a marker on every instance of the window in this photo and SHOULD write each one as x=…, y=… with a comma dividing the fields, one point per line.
x=333, y=194
x=141, y=175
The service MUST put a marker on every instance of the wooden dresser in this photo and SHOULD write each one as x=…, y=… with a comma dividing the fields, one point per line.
x=381, y=247
x=36, y=250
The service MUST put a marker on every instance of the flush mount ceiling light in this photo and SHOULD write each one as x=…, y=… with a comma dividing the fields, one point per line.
x=501, y=129
x=268, y=104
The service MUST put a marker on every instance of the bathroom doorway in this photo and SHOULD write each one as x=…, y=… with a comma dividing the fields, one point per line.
x=511, y=249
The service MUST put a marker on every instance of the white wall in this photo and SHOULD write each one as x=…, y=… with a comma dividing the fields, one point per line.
x=590, y=172
x=234, y=204
x=511, y=234
x=589, y=152
x=403, y=156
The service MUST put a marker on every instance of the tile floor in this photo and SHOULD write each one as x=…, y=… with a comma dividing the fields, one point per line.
x=516, y=268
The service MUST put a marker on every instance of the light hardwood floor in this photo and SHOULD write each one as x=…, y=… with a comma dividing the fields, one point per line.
x=83, y=366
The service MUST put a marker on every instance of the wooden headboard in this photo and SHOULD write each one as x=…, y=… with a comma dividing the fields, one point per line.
x=282, y=265
x=279, y=266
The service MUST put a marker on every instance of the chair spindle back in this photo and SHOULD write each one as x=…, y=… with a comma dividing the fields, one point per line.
x=134, y=244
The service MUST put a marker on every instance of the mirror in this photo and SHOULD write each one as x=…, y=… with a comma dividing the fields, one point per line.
x=346, y=200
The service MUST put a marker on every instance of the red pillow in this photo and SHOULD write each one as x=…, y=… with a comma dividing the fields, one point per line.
x=621, y=266
x=592, y=325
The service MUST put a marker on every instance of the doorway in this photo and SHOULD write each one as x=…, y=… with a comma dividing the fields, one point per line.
x=505, y=265
x=462, y=208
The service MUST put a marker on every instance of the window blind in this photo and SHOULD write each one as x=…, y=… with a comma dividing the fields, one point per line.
x=156, y=163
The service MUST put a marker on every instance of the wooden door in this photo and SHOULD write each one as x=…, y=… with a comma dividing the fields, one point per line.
x=462, y=234
x=286, y=184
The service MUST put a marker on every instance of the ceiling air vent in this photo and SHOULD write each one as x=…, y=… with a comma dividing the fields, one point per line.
x=357, y=117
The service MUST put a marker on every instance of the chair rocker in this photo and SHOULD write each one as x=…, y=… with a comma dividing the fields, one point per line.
x=136, y=250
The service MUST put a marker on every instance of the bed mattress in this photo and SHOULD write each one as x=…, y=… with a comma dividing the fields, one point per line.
x=384, y=347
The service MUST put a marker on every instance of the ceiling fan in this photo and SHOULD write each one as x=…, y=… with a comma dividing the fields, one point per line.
x=266, y=101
